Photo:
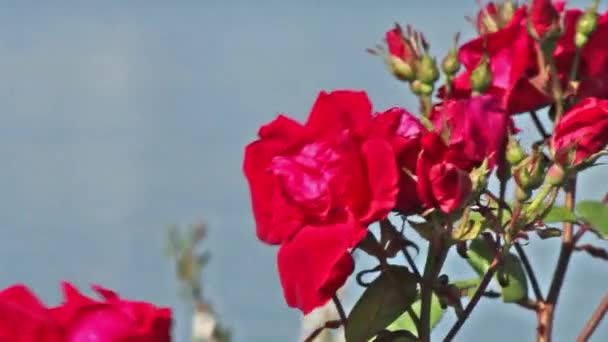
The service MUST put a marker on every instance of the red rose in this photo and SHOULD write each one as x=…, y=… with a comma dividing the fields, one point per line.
x=314, y=190
x=81, y=318
x=543, y=17
x=477, y=126
x=443, y=182
x=593, y=65
x=404, y=131
x=396, y=44
x=25, y=319
x=581, y=132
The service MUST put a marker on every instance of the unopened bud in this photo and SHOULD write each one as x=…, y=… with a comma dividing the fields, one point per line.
x=401, y=69
x=479, y=177
x=481, y=76
x=419, y=88
x=515, y=153
x=427, y=71
x=585, y=26
x=529, y=174
x=508, y=9
x=556, y=175
x=450, y=63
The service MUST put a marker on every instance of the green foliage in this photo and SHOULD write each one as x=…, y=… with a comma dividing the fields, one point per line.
x=596, y=214
x=405, y=321
x=386, y=298
x=511, y=276
x=559, y=214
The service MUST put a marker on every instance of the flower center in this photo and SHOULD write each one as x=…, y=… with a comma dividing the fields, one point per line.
x=306, y=177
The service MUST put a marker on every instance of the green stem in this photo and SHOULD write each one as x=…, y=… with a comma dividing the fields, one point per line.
x=540, y=198
x=575, y=65
x=434, y=260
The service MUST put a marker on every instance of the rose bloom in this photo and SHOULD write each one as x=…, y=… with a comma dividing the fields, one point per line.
x=581, y=132
x=513, y=56
x=315, y=187
x=80, y=319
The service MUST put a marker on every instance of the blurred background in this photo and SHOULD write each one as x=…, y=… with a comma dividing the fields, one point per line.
x=120, y=118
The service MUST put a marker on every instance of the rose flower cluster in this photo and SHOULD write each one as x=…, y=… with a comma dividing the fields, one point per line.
x=24, y=318
x=317, y=186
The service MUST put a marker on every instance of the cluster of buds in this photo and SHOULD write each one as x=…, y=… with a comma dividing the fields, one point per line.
x=528, y=170
x=408, y=59
x=586, y=25
x=493, y=17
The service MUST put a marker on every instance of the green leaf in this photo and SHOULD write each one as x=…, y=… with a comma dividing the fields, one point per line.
x=517, y=287
x=405, y=322
x=596, y=214
x=480, y=256
x=386, y=298
x=424, y=229
x=559, y=214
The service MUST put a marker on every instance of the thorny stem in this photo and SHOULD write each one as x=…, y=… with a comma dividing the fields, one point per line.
x=546, y=314
x=531, y=275
x=594, y=321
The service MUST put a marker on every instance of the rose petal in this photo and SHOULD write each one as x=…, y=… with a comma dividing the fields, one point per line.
x=315, y=263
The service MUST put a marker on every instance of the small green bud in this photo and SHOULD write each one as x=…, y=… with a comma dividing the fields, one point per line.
x=508, y=9
x=419, y=88
x=450, y=63
x=427, y=71
x=556, y=175
x=587, y=23
x=401, y=69
x=479, y=177
x=481, y=76
x=515, y=153
x=530, y=172
x=580, y=40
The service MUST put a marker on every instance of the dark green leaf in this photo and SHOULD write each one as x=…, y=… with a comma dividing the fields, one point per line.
x=387, y=297
x=596, y=214
x=517, y=287
x=405, y=322
x=559, y=214
x=424, y=229
x=480, y=257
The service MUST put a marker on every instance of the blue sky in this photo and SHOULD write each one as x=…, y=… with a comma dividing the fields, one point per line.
x=119, y=118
